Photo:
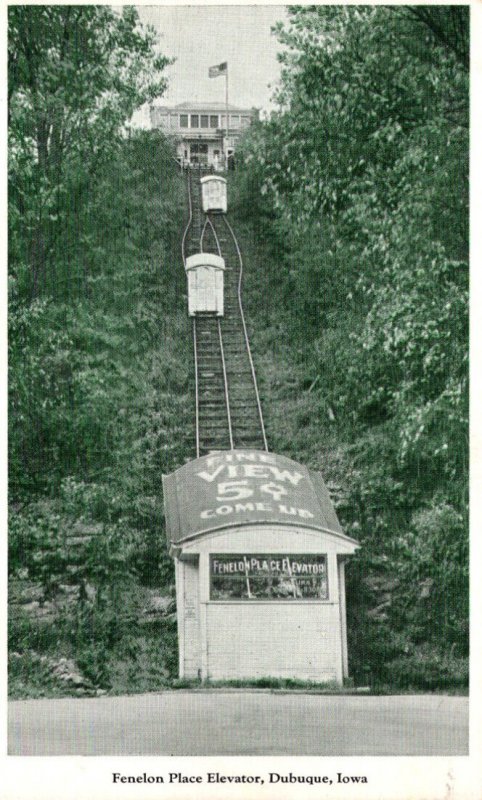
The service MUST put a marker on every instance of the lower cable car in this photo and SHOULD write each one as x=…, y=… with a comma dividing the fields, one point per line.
x=205, y=282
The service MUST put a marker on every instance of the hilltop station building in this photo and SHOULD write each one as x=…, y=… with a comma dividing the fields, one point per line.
x=200, y=131
x=259, y=557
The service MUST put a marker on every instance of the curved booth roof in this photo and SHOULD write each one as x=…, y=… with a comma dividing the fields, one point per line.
x=204, y=260
x=229, y=489
x=208, y=178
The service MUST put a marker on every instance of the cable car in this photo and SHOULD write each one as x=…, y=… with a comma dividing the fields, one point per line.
x=214, y=194
x=205, y=282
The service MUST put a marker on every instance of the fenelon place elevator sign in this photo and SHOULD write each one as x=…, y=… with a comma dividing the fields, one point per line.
x=243, y=487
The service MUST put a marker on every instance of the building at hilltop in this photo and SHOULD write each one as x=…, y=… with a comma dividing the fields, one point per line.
x=200, y=130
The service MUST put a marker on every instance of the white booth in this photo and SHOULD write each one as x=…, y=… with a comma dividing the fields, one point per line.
x=205, y=283
x=259, y=558
x=214, y=193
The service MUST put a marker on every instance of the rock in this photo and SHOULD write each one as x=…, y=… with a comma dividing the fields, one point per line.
x=378, y=614
x=426, y=587
x=66, y=670
x=46, y=611
x=158, y=604
x=381, y=583
x=68, y=588
x=30, y=608
x=86, y=530
x=23, y=592
x=90, y=591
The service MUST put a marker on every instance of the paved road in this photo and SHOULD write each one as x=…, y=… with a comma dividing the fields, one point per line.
x=240, y=723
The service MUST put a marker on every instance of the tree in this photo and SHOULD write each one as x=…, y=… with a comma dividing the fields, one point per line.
x=365, y=162
x=76, y=74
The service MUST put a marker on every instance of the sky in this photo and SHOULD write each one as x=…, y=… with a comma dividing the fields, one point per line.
x=199, y=37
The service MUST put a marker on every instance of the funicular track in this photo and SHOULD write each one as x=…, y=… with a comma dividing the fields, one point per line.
x=228, y=408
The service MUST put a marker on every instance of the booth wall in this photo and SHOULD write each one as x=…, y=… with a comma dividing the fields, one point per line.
x=261, y=638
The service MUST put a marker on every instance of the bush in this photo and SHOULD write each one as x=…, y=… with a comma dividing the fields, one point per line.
x=428, y=669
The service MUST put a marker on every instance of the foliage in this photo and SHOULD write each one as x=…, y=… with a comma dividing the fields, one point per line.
x=95, y=400
x=90, y=389
x=98, y=412
x=130, y=659
x=76, y=74
x=360, y=178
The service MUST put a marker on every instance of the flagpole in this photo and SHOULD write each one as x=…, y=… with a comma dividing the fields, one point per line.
x=227, y=118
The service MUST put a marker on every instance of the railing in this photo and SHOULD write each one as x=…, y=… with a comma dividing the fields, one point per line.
x=218, y=164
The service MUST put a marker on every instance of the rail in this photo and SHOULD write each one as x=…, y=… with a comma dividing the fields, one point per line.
x=213, y=229
x=196, y=379
x=248, y=348
x=189, y=222
x=220, y=367
x=226, y=387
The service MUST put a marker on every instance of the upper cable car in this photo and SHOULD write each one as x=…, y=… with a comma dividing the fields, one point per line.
x=214, y=194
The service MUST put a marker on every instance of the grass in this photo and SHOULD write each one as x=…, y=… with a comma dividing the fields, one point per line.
x=256, y=683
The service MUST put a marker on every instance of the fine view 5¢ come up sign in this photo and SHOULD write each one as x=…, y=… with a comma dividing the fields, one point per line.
x=245, y=487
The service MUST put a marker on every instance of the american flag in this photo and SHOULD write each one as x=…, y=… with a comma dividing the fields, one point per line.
x=219, y=69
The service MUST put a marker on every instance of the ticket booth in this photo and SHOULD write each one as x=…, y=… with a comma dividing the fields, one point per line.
x=259, y=558
x=205, y=284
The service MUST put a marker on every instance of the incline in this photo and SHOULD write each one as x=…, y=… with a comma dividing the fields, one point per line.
x=228, y=408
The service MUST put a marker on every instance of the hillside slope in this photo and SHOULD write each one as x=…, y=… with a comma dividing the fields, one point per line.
x=101, y=394
x=407, y=587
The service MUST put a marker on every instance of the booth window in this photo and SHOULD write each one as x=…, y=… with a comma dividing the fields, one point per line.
x=268, y=576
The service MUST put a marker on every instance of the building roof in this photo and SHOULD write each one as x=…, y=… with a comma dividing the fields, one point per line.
x=275, y=490
x=212, y=106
